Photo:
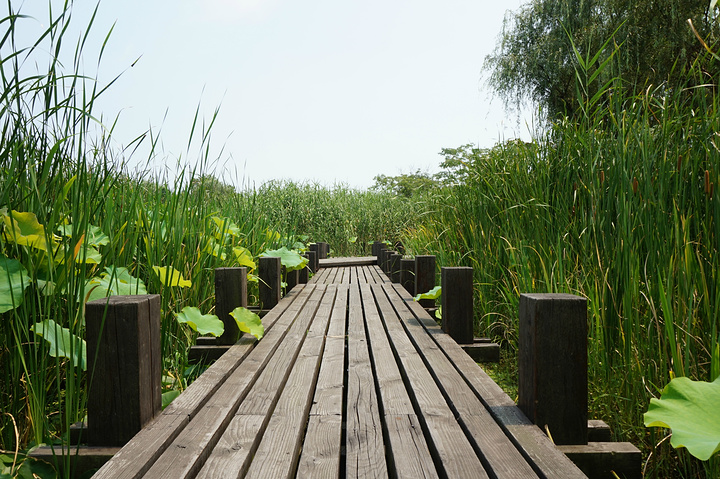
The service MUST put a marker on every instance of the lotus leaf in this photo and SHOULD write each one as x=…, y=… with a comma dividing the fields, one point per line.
x=113, y=282
x=93, y=236
x=432, y=294
x=168, y=397
x=690, y=408
x=248, y=322
x=63, y=344
x=225, y=226
x=289, y=258
x=24, y=229
x=244, y=257
x=13, y=281
x=201, y=323
x=169, y=276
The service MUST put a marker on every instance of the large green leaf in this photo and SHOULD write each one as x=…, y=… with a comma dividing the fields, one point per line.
x=291, y=259
x=248, y=322
x=113, y=282
x=63, y=344
x=244, y=257
x=13, y=281
x=201, y=323
x=690, y=408
x=432, y=294
x=169, y=276
x=24, y=229
x=93, y=236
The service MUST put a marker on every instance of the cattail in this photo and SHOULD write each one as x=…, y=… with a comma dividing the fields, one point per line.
x=602, y=177
x=635, y=185
x=679, y=164
x=707, y=182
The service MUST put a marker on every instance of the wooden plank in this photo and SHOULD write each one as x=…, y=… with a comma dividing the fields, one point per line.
x=226, y=460
x=447, y=441
x=408, y=449
x=279, y=449
x=349, y=261
x=322, y=447
x=137, y=456
x=545, y=457
x=488, y=438
x=318, y=277
x=193, y=445
x=364, y=445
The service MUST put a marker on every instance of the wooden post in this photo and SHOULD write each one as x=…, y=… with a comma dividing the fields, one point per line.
x=407, y=275
x=291, y=279
x=230, y=293
x=457, y=303
x=394, y=267
x=552, y=364
x=324, y=250
x=387, y=253
x=376, y=247
x=269, y=271
x=124, y=366
x=316, y=248
x=313, y=262
x=305, y=272
x=425, y=277
x=381, y=247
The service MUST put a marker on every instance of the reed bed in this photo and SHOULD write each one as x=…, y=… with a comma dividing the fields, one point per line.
x=620, y=207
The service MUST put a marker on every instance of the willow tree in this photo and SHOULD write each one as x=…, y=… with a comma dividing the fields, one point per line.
x=651, y=43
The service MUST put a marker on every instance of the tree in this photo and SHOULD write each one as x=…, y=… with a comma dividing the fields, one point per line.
x=407, y=184
x=651, y=40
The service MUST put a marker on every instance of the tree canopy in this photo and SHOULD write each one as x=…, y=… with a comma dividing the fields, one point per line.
x=651, y=43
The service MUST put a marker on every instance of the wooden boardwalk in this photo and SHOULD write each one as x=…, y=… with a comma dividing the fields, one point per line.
x=352, y=379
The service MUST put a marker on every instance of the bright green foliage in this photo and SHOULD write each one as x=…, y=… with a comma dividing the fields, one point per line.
x=406, y=184
x=534, y=58
x=169, y=276
x=289, y=258
x=13, y=281
x=24, y=229
x=200, y=323
x=248, y=322
x=432, y=294
x=690, y=408
x=63, y=344
x=244, y=257
x=94, y=236
x=114, y=282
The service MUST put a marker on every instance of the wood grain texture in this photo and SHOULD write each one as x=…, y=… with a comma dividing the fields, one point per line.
x=545, y=457
x=321, y=450
x=230, y=293
x=364, y=446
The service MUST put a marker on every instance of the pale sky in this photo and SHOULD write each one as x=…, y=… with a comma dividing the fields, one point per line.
x=318, y=90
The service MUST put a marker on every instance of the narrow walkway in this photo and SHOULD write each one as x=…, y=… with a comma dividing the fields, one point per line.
x=352, y=379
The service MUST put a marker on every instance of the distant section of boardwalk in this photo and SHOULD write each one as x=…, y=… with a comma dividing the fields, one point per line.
x=352, y=379
x=350, y=261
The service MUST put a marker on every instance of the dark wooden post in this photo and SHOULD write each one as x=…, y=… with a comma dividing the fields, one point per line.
x=425, y=277
x=552, y=364
x=387, y=253
x=124, y=366
x=291, y=279
x=376, y=247
x=316, y=248
x=313, y=262
x=230, y=293
x=269, y=285
x=381, y=247
x=323, y=250
x=305, y=272
x=457, y=303
x=394, y=267
x=407, y=274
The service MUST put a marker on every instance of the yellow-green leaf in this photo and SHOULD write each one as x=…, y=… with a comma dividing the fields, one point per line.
x=169, y=276
x=244, y=257
x=432, y=294
x=248, y=322
x=63, y=344
x=201, y=323
x=24, y=229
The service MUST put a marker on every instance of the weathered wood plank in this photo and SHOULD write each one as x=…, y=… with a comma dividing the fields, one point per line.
x=349, y=261
x=364, y=446
x=545, y=457
x=487, y=437
x=136, y=457
x=262, y=398
x=447, y=441
x=279, y=450
x=322, y=446
x=408, y=449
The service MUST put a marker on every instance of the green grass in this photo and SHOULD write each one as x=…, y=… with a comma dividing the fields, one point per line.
x=621, y=208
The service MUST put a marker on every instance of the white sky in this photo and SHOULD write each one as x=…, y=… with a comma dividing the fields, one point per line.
x=314, y=90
